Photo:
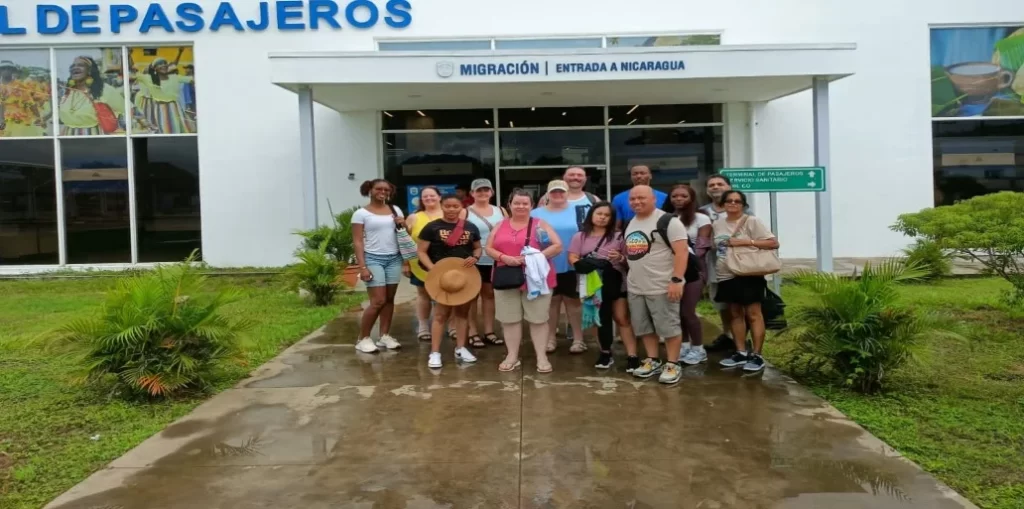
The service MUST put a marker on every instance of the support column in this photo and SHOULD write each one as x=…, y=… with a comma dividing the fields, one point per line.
x=822, y=153
x=307, y=159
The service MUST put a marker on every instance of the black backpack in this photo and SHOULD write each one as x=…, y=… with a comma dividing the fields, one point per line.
x=692, y=263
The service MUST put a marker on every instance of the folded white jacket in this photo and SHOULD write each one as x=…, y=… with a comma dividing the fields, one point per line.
x=537, y=268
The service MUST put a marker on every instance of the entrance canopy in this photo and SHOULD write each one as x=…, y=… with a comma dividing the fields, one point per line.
x=352, y=81
x=500, y=79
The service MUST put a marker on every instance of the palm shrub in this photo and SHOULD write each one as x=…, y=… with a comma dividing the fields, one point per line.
x=316, y=273
x=857, y=327
x=933, y=261
x=338, y=237
x=158, y=333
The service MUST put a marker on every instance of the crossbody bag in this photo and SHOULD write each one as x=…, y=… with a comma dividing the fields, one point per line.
x=506, y=277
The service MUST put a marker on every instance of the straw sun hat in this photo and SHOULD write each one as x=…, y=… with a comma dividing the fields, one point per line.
x=449, y=283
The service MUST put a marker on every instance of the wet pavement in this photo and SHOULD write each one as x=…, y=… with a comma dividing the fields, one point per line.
x=323, y=426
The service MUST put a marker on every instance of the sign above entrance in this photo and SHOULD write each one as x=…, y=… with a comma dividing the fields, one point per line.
x=777, y=180
x=447, y=69
x=169, y=17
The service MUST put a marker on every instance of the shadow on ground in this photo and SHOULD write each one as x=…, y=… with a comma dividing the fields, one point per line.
x=323, y=426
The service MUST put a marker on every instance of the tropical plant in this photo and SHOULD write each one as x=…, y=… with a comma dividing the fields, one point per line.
x=857, y=327
x=988, y=229
x=158, y=333
x=933, y=261
x=316, y=273
x=338, y=237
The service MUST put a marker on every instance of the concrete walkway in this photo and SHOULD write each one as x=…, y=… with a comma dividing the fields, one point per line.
x=324, y=427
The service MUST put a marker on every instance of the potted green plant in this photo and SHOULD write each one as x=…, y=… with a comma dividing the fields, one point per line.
x=339, y=244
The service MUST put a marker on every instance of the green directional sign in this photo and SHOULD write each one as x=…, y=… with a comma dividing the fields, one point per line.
x=777, y=180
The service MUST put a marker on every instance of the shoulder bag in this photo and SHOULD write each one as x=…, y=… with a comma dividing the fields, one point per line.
x=511, y=278
x=406, y=246
x=751, y=261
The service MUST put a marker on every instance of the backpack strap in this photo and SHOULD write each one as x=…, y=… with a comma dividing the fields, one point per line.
x=662, y=229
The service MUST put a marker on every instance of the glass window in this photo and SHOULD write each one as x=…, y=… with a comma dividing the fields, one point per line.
x=665, y=114
x=95, y=175
x=28, y=203
x=25, y=93
x=437, y=119
x=434, y=45
x=163, y=90
x=587, y=42
x=552, y=148
x=551, y=117
x=674, y=155
x=665, y=40
x=453, y=159
x=973, y=158
x=167, y=198
x=91, y=91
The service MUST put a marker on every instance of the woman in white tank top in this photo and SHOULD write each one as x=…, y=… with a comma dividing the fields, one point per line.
x=486, y=218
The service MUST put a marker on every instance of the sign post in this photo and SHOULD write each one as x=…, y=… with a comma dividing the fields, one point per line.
x=773, y=181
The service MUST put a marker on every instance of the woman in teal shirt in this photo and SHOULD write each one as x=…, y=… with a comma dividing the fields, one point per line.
x=562, y=219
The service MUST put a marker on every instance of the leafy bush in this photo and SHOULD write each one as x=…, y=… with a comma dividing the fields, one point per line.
x=159, y=333
x=933, y=261
x=317, y=273
x=988, y=229
x=338, y=237
x=857, y=328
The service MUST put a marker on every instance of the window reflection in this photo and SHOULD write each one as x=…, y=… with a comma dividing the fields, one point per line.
x=167, y=198
x=431, y=158
x=587, y=42
x=436, y=119
x=664, y=114
x=665, y=40
x=973, y=158
x=95, y=176
x=28, y=203
x=551, y=117
x=25, y=98
x=549, y=148
x=682, y=155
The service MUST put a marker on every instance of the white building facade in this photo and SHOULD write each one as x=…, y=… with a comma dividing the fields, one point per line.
x=136, y=132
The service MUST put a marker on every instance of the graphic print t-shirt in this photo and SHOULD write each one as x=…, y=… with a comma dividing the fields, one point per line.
x=650, y=260
x=437, y=233
x=581, y=206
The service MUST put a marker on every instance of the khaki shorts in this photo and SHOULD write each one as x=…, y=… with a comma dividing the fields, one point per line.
x=654, y=314
x=511, y=306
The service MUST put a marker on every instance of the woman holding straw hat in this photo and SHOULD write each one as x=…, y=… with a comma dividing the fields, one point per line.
x=449, y=249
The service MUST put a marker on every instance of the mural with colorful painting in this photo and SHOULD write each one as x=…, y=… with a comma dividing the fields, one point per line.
x=977, y=71
x=25, y=98
x=90, y=92
x=163, y=90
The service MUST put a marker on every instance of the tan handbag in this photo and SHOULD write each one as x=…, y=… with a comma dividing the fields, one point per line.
x=751, y=261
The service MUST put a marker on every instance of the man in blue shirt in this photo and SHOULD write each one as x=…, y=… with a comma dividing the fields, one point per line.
x=641, y=176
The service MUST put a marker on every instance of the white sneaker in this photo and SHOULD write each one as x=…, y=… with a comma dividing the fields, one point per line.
x=434, y=361
x=463, y=354
x=694, y=356
x=388, y=342
x=366, y=345
x=684, y=349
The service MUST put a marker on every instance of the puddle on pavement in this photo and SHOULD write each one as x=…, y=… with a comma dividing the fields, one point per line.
x=745, y=443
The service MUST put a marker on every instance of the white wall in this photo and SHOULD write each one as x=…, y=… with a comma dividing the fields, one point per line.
x=881, y=132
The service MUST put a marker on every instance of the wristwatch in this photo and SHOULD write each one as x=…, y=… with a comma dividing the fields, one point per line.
x=676, y=280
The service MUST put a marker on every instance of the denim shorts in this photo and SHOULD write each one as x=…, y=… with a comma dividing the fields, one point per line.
x=386, y=269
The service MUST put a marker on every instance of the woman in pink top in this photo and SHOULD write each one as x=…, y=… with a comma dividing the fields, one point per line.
x=599, y=247
x=505, y=246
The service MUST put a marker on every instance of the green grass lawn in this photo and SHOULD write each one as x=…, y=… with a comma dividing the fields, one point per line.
x=958, y=411
x=53, y=432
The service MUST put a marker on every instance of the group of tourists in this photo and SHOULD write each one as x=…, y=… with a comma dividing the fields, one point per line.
x=638, y=263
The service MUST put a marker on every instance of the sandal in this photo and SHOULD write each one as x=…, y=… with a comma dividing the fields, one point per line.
x=552, y=346
x=578, y=347
x=424, y=337
x=506, y=366
x=545, y=368
x=493, y=339
x=476, y=341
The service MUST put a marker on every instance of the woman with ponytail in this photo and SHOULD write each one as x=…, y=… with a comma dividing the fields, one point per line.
x=374, y=233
